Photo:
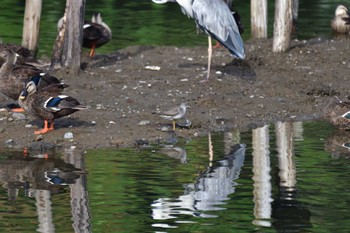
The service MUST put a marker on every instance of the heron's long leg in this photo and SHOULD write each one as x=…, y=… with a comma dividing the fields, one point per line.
x=210, y=51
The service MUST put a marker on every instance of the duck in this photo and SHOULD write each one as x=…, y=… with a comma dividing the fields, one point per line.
x=13, y=77
x=338, y=114
x=341, y=21
x=47, y=104
x=24, y=53
x=95, y=33
x=174, y=113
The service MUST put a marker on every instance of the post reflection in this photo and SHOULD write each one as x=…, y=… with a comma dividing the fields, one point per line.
x=261, y=177
x=288, y=212
x=41, y=174
x=210, y=190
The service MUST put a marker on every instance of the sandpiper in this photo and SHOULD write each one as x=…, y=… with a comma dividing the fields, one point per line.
x=174, y=113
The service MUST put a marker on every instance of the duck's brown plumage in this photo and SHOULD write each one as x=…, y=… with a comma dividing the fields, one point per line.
x=47, y=104
x=335, y=111
x=96, y=33
x=13, y=77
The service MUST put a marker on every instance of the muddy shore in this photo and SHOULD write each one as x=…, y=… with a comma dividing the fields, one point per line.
x=122, y=94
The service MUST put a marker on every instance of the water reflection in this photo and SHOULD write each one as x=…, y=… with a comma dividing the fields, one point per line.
x=174, y=152
x=288, y=212
x=278, y=177
x=208, y=192
x=338, y=144
x=41, y=174
x=261, y=170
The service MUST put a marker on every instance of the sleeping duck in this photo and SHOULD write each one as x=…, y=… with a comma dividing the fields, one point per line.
x=96, y=33
x=341, y=21
x=47, y=104
x=13, y=77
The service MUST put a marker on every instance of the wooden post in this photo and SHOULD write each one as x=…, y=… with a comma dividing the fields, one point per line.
x=58, y=46
x=258, y=12
x=31, y=25
x=73, y=35
x=282, y=28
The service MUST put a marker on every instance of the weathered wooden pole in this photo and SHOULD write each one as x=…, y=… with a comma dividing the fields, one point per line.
x=67, y=48
x=282, y=28
x=258, y=20
x=31, y=25
x=59, y=42
x=73, y=35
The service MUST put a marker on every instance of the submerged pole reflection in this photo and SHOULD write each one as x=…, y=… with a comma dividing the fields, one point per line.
x=288, y=212
x=209, y=192
x=261, y=177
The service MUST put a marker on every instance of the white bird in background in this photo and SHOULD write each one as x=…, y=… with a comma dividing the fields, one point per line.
x=214, y=18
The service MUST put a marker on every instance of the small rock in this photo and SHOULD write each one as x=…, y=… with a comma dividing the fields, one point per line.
x=68, y=135
x=10, y=119
x=28, y=126
x=9, y=142
x=155, y=68
x=144, y=122
x=164, y=129
x=141, y=142
x=18, y=116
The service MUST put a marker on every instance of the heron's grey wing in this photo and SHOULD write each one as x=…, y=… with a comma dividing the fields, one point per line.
x=215, y=18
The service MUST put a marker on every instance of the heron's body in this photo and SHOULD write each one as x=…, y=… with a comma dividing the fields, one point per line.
x=215, y=18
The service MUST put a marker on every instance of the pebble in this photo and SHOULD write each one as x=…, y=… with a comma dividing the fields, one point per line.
x=68, y=135
x=18, y=116
x=164, y=129
x=144, y=122
x=9, y=142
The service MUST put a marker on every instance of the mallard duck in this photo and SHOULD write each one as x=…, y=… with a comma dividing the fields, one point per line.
x=47, y=104
x=24, y=53
x=96, y=33
x=338, y=114
x=174, y=113
x=341, y=21
x=14, y=77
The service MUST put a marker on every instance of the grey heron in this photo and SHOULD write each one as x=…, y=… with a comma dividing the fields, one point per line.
x=214, y=17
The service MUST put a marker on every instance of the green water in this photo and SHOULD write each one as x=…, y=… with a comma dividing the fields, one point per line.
x=284, y=178
x=141, y=22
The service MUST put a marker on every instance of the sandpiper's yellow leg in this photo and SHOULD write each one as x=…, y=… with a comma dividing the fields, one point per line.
x=173, y=124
